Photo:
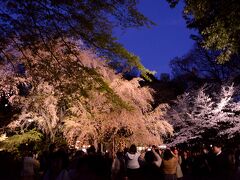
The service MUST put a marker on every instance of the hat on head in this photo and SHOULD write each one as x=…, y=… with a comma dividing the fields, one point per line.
x=218, y=144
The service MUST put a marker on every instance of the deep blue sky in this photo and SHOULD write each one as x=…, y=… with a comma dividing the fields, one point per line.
x=158, y=45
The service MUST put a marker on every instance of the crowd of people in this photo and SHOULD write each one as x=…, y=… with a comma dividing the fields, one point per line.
x=206, y=163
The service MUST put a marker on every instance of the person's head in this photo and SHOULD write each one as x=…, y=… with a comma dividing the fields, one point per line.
x=167, y=154
x=160, y=151
x=154, y=147
x=185, y=153
x=59, y=161
x=174, y=150
x=119, y=154
x=28, y=153
x=91, y=150
x=125, y=150
x=205, y=150
x=238, y=147
x=133, y=149
x=52, y=148
x=79, y=154
x=216, y=148
x=149, y=157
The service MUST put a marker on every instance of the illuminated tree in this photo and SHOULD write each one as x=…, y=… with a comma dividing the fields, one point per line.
x=205, y=115
x=59, y=52
x=86, y=102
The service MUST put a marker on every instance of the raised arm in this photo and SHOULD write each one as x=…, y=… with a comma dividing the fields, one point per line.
x=158, y=162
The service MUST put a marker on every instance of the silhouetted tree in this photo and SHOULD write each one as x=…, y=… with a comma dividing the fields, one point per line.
x=217, y=22
x=200, y=63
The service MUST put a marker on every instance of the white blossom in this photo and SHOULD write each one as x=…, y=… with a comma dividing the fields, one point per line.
x=202, y=115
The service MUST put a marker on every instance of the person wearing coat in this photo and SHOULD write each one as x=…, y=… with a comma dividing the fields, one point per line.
x=169, y=165
x=132, y=163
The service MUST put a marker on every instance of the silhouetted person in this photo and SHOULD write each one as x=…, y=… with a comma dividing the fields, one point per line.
x=179, y=173
x=58, y=167
x=219, y=166
x=169, y=165
x=132, y=163
x=30, y=164
x=151, y=167
x=186, y=164
x=83, y=170
x=98, y=164
x=118, y=167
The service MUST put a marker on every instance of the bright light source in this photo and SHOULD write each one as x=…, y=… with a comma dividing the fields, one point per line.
x=84, y=150
x=163, y=146
x=140, y=148
x=3, y=137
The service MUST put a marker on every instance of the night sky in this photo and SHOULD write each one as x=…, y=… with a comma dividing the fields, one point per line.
x=158, y=45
